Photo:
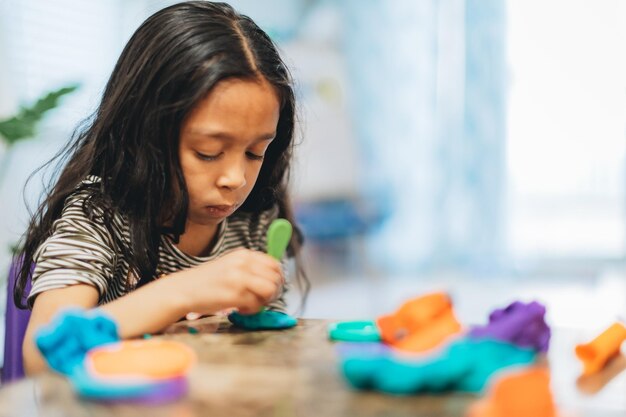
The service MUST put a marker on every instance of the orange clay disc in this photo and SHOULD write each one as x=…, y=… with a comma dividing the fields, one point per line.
x=153, y=359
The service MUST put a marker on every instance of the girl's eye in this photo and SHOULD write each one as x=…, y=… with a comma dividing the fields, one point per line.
x=207, y=157
x=254, y=156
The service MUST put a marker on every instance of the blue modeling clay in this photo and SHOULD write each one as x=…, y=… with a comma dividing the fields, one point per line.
x=465, y=365
x=73, y=332
x=265, y=320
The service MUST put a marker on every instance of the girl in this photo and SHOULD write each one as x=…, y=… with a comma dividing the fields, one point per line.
x=178, y=175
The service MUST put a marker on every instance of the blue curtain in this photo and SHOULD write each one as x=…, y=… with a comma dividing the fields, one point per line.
x=428, y=98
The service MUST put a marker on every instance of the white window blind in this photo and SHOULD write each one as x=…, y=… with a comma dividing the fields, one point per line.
x=49, y=44
x=567, y=129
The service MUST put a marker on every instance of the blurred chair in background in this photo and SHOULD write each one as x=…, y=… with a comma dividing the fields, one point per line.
x=15, y=322
x=336, y=230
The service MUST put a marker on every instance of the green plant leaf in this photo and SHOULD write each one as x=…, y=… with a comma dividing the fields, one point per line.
x=14, y=249
x=23, y=125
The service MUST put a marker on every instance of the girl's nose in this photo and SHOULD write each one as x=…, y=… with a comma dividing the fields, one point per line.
x=233, y=175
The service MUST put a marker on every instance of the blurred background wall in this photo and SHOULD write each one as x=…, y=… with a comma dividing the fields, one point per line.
x=476, y=145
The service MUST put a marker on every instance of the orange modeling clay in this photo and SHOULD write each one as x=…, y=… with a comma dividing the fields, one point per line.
x=420, y=324
x=595, y=354
x=521, y=394
x=151, y=359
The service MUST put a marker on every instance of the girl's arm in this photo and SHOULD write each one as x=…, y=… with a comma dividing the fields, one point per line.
x=46, y=306
x=242, y=279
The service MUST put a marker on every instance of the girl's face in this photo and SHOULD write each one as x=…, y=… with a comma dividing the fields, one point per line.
x=222, y=145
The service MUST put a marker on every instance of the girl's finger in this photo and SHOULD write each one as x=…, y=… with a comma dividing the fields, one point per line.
x=263, y=288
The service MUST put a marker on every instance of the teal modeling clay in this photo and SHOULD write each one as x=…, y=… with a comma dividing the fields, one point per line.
x=464, y=365
x=354, y=331
x=265, y=320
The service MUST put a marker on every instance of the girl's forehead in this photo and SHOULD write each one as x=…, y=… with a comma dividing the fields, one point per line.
x=236, y=108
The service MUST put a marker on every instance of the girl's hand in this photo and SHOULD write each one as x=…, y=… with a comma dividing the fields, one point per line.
x=243, y=279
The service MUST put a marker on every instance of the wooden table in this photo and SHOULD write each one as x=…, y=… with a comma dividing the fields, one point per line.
x=294, y=373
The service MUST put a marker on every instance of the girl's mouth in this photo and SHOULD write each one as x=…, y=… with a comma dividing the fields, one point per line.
x=220, y=211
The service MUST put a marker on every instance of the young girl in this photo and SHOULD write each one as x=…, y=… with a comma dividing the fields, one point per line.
x=163, y=206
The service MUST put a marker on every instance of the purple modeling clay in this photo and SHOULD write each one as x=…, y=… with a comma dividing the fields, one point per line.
x=156, y=393
x=363, y=349
x=520, y=323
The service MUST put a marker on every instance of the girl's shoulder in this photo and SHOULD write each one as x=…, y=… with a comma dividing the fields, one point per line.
x=83, y=192
x=85, y=195
x=85, y=220
x=86, y=203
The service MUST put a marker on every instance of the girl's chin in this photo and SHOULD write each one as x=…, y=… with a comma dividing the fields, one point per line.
x=205, y=220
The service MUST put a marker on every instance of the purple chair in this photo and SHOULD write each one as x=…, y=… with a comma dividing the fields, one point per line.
x=15, y=324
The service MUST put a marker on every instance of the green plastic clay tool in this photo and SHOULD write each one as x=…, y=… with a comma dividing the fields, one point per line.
x=278, y=237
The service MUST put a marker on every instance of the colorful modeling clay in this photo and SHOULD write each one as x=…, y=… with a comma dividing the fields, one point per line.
x=519, y=323
x=463, y=365
x=522, y=393
x=420, y=324
x=84, y=346
x=595, y=354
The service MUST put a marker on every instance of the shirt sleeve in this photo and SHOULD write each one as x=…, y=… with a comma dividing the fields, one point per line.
x=78, y=251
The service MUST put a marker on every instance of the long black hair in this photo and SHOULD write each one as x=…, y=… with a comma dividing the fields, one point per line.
x=131, y=141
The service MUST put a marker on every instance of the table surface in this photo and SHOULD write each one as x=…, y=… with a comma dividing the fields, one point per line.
x=294, y=373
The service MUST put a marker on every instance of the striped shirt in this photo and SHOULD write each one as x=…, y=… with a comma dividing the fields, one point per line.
x=82, y=251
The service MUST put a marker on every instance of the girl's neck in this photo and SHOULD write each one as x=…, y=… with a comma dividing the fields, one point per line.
x=198, y=240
